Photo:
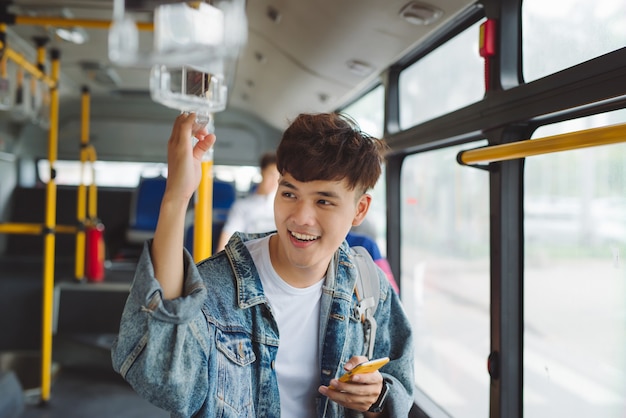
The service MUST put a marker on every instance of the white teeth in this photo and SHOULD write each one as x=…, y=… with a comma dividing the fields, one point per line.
x=303, y=237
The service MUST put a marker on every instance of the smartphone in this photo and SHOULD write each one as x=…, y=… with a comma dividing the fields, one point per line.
x=366, y=367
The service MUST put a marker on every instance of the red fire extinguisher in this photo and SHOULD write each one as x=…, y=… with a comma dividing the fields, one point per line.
x=94, y=251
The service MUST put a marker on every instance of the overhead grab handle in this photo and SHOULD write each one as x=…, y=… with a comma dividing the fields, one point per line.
x=193, y=33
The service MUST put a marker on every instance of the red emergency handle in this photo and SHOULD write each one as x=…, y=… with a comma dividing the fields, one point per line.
x=94, y=252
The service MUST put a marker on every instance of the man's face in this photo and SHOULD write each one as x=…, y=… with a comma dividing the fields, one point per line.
x=312, y=219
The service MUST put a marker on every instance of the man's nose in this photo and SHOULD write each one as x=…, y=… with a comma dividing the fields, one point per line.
x=304, y=213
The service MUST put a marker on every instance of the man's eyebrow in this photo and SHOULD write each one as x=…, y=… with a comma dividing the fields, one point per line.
x=285, y=183
x=328, y=194
x=321, y=193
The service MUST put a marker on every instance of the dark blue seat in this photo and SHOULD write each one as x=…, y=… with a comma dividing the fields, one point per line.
x=368, y=243
x=224, y=195
x=147, y=203
x=145, y=209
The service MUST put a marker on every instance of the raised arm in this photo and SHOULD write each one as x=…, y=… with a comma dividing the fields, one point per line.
x=184, y=172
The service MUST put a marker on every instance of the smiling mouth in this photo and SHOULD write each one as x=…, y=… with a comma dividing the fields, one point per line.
x=303, y=237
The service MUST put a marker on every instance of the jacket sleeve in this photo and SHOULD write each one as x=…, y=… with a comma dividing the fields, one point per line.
x=394, y=338
x=161, y=348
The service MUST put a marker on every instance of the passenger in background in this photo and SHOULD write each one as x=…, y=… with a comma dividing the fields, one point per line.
x=254, y=213
x=370, y=245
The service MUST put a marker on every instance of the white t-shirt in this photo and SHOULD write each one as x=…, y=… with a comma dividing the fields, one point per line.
x=297, y=313
x=253, y=213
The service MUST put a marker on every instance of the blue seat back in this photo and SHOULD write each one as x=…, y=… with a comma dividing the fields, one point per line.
x=147, y=203
x=224, y=195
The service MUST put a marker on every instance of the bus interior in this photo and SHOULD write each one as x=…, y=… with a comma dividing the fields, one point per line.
x=510, y=263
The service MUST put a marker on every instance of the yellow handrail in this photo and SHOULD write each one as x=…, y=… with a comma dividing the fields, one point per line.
x=31, y=68
x=203, y=231
x=49, y=228
x=563, y=142
x=81, y=201
x=33, y=228
x=68, y=22
x=92, y=212
x=21, y=228
x=49, y=238
x=65, y=229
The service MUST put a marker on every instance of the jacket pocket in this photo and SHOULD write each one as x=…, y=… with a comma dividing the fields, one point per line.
x=235, y=373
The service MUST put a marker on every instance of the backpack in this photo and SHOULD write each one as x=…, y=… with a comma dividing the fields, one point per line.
x=367, y=292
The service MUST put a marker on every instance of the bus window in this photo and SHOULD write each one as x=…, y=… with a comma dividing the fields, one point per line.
x=368, y=112
x=127, y=174
x=574, y=277
x=561, y=34
x=447, y=79
x=107, y=173
x=445, y=278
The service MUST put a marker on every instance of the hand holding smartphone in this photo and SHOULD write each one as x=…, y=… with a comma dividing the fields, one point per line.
x=366, y=367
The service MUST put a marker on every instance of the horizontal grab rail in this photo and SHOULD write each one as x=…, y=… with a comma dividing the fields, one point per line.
x=70, y=22
x=29, y=67
x=563, y=142
x=34, y=228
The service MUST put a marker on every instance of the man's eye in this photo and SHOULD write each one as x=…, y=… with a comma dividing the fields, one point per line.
x=324, y=202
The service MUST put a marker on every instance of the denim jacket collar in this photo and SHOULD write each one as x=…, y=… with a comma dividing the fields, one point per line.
x=249, y=288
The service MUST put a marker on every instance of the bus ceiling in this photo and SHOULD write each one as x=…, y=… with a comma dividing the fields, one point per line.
x=288, y=59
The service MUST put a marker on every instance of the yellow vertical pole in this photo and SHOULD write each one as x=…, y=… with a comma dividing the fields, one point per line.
x=81, y=209
x=49, y=236
x=92, y=212
x=19, y=87
x=203, y=226
x=41, y=42
x=36, y=97
x=3, y=67
x=3, y=58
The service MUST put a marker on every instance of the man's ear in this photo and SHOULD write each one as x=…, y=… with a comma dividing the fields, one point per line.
x=362, y=206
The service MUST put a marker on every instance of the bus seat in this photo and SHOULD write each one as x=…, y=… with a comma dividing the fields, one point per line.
x=224, y=195
x=147, y=202
x=145, y=208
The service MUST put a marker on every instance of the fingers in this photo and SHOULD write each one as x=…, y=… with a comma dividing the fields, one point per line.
x=181, y=130
x=362, y=379
x=204, y=144
x=356, y=396
x=185, y=120
x=353, y=362
x=360, y=392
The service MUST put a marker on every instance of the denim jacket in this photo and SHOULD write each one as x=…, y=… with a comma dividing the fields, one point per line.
x=211, y=352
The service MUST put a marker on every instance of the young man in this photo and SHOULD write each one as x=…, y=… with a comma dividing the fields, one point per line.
x=266, y=327
x=254, y=213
